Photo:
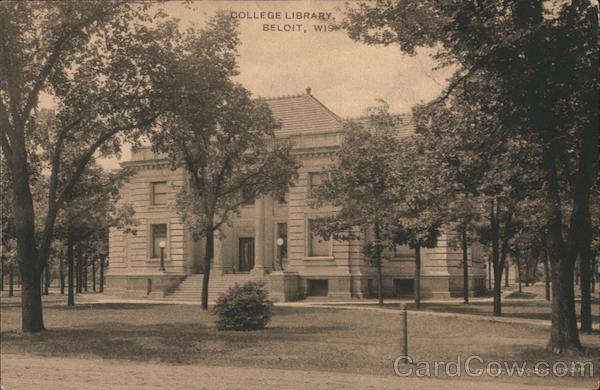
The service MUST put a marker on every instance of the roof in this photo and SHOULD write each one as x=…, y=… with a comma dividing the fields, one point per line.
x=303, y=114
x=298, y=114
x=405, y=127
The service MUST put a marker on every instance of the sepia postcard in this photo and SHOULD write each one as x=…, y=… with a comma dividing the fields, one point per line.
x=299, y=194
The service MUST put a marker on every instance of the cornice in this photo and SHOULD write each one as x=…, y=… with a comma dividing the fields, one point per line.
x=146, y=164
x=315, y=152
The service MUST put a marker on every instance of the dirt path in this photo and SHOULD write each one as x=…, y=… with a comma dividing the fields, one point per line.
x=33, y=372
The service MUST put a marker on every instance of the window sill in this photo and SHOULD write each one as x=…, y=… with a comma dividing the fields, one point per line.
x=328, y=258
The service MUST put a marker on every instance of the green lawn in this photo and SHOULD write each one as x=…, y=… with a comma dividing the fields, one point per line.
x=305, y=338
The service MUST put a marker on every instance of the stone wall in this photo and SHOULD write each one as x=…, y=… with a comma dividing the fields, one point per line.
x=130, y=252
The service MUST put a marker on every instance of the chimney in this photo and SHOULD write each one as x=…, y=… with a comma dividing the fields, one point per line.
x=308, y=90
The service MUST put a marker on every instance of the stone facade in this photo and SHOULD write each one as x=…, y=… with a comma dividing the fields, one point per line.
x=248, y=246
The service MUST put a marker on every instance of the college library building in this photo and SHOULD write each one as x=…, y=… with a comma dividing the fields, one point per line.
x=270, y=239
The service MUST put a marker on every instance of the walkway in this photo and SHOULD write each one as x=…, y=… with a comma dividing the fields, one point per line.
x=69, y=373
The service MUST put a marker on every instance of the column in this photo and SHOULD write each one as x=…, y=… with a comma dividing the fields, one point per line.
x=259, y=236
x=269, y=243
x=217, y=254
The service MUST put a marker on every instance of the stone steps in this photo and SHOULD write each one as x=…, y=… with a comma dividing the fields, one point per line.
x=190, y=289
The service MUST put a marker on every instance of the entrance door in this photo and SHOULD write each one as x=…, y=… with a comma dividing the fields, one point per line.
x=246, y=255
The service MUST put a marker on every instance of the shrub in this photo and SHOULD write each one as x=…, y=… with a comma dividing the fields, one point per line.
x=244, y=307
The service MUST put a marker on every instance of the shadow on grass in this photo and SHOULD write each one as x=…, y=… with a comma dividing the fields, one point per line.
x=168, y=343
x=534, y=310
x=590, y=353
x=486, y=311
x=107, y=306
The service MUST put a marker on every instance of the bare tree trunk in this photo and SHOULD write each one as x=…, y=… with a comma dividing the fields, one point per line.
x=47, y=279
x=498, y=290
x=84, y=272
x=495, y=230
x=489, y=269
x=11, y=281
x=546, y=267
x=206, y=275
x=79, y=269
x=101, y=274
x=564, y=335
x=61, y=275
x=594, y=273
x=418, y=276
x=379, y=284
x=29, y=260
x=506, y=276
x=547, y=277
x=519, y=276
x=563, y=331
x=534, y=278
x=31, y=302
x=585, y=271
x=30, y=274
x=93, y=276
x=378, y=250
x=70, y=270
x=77, y=272
x=527, y=272
x=465, y=259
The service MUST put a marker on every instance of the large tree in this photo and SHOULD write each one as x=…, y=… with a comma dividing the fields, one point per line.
x=89, y=213
x=544, y=56
x=359, y=186
x=222, y=137
x=460, y=158
x=488, y=170
x=419, y=195
x=93, y=61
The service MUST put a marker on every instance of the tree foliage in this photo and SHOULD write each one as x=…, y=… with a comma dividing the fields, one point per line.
x=221, y=136
x=541, y=58
x=94, y=61
x=359, y=185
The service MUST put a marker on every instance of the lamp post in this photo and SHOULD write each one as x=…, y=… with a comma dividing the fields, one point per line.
x=162, y=245
x=280, y=242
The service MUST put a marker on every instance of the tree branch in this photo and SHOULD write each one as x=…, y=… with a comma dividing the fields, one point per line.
x=5, y=126
x=57, y=50
x=67, y=190
x=6, y=146
x=56, y=161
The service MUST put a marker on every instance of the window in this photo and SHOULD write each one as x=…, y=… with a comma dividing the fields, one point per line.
x=314, y=180
x=318, y=288
x=318, y=245
x=159, y=233
x=404, y=287
x=371, y=290
x=282, y=233
x=158, y=192
x=247, y=196
x=282, y=198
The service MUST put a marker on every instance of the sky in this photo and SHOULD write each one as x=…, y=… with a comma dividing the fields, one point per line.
x=346, y=76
